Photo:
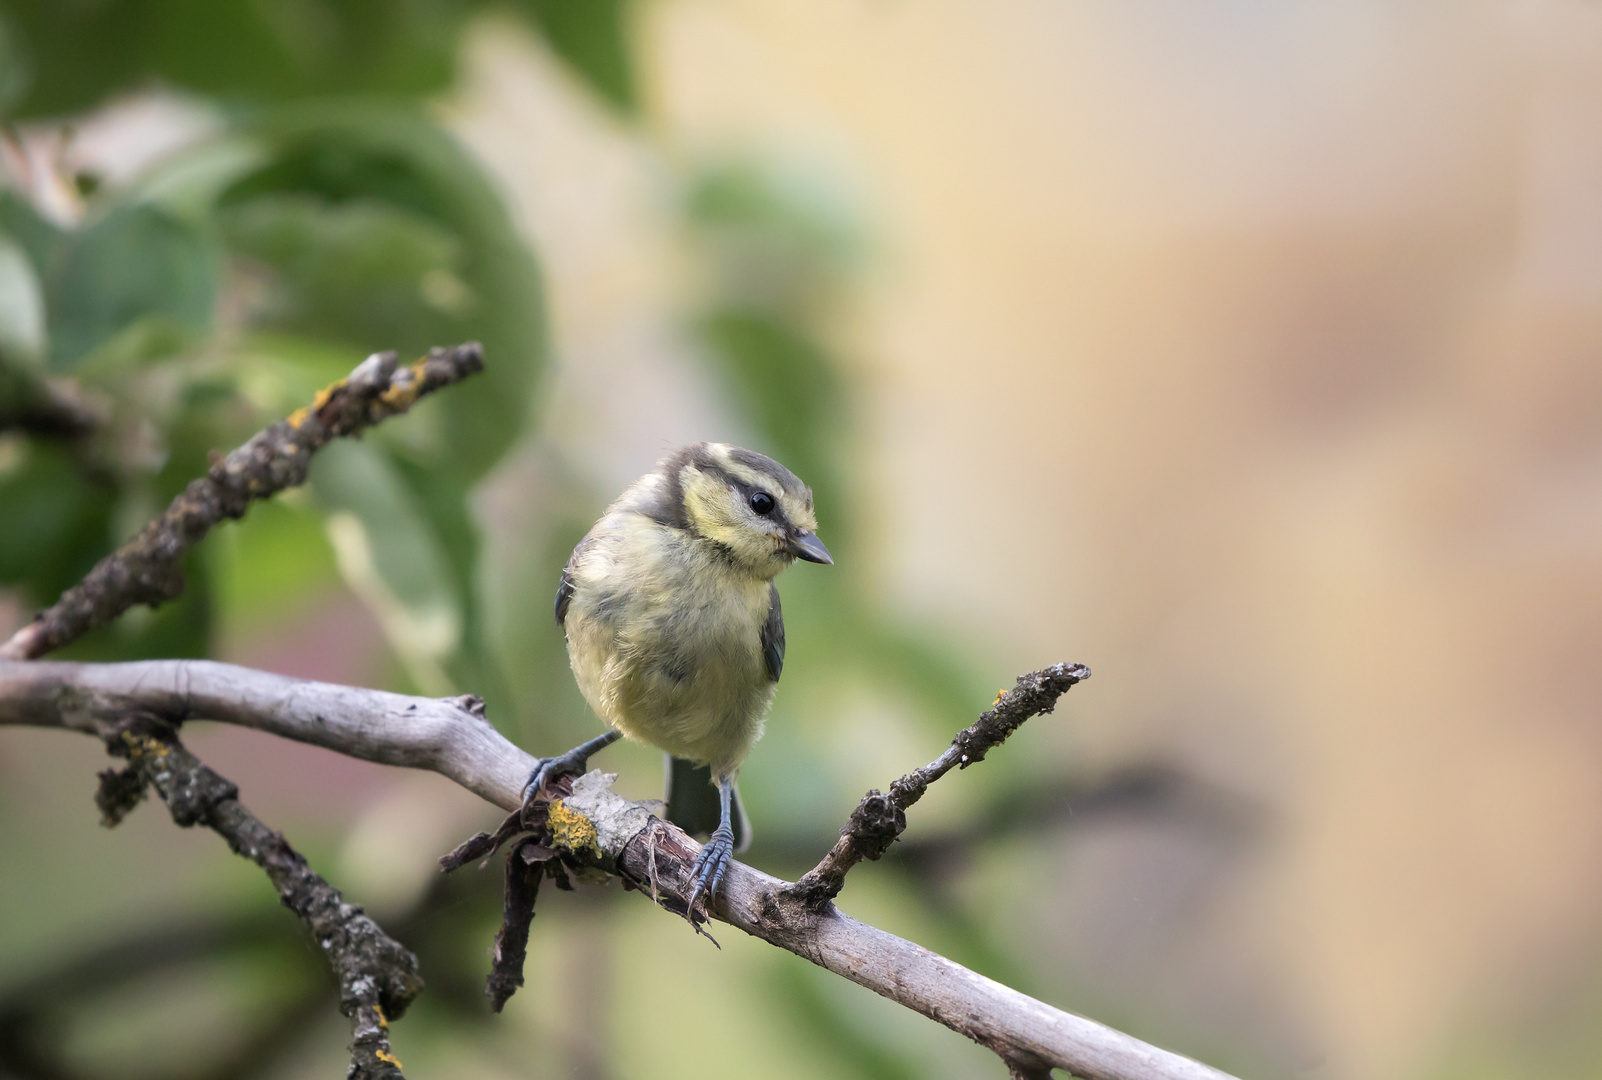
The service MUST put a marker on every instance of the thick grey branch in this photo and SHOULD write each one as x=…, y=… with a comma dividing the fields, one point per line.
x=450, y=736
x=593, y=825
x=147, y=569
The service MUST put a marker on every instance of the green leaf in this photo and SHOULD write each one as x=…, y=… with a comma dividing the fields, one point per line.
x=270, y=562
x=137, y=264
x=22, y=316
x=392, y=558
x=384, y=234
x=349, y=266
x=444, y=500
x=592, y=37
x=57, y=523
x=40, y=239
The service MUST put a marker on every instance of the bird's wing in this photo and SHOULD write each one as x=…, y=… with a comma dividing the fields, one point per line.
x=773, y=635
x=564, y=590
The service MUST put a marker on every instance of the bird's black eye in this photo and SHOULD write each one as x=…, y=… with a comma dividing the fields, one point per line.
x=762, y=503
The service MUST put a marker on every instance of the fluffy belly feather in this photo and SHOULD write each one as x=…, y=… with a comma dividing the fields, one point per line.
x=689, y=677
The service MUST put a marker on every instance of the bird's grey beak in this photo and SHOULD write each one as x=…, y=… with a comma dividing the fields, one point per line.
x=805, y=545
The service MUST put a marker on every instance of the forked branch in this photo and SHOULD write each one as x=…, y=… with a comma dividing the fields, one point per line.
x=595, y=827
x=137, y=707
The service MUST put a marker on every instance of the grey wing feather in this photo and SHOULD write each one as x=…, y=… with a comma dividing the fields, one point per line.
x=773, y=636
x=565, y=589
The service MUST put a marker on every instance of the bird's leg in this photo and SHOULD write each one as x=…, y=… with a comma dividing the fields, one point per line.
x=713, y=861
x=571, y=763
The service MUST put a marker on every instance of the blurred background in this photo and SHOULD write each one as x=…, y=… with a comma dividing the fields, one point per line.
x=1249, y=353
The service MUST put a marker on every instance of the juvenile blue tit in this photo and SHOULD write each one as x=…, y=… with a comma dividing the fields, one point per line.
x=673, y=624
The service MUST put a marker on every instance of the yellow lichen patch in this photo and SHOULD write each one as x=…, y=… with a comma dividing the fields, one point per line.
x=403, y=391
x=383, y=1021
x=298, y=417
x=999, y=695
x=389, y=1058
x=143, y=746
x=571, y=830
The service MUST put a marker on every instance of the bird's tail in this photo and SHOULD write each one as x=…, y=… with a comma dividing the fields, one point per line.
x=692, y=802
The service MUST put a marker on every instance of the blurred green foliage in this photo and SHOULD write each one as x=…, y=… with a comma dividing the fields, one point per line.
x=324, y=217
x=64, y=56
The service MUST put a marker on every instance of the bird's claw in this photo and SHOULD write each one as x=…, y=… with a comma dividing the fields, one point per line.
x=710, y=866
x=571, y=763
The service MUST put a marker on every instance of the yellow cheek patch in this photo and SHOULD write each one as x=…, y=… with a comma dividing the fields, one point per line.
x=705, y=500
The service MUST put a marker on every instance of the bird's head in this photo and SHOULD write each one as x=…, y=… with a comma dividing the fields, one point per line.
x=755, y=509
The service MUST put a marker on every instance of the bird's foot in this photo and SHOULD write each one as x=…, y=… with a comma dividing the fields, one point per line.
x=572, y=763
x=710, y=866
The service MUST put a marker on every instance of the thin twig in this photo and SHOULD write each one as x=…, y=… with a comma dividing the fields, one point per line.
x=147, y=569
x=377, y=976
x=525, y=867
x=880, y=818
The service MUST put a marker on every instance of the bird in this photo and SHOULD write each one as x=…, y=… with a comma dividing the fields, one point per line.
x=674, y=629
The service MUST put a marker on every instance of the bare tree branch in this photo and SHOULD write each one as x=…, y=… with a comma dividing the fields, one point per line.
x=879, y=818
x=146, y=570
x=377, y=976
x=600, y=828
x=449, y=736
